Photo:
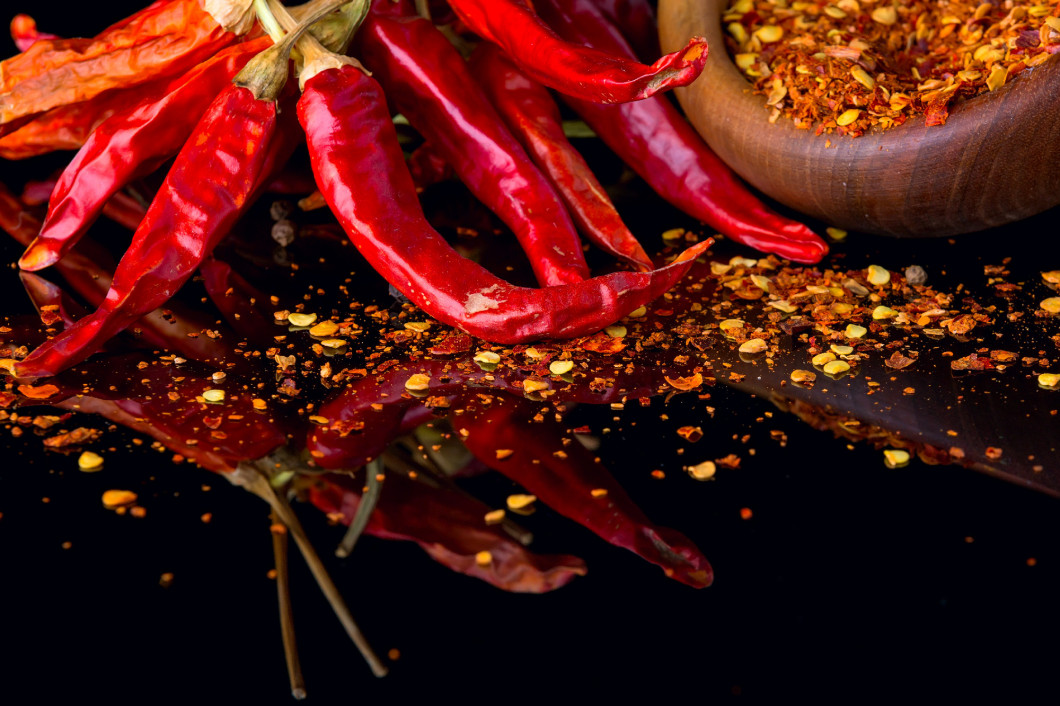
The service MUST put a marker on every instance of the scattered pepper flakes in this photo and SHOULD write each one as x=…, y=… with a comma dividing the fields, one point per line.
x=657, y=474
x=732, y=461
x=259, y=403
x=503, y=454
x=89, y=462
x=78, y=436
x=118, y=498
x=166, y=579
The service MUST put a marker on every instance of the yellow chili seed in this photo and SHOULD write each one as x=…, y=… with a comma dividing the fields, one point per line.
x=848, y=116
x=333, y=342
x=520, y=502
x=483, y=558
x=324, y=329
x=1052, y=305
x=835, y=233
x=494, y=517
x=745, y=61
x=803, y=376
x=90, y=461
x=834, y=12
x=877, y=275
x=301, y=319
x=731, y=325
x=835, y=367
x=895, y=458
x=702, y=471
x=560, y=367
x=214, y=395
x=673, y=234
x=487, y=357
x=886, y=15
x=639, y=313
x=753, y=346
x=862, y=76
x=1052, y=277
x=883, y=312
x=998, y=76
x=855, y=331
x=616, y=331
x=769, y=34
x=118, y=498
x=737, y=31
x=532, y=385
x=418, y=382
x=1049, y=379
x=841, y=350
x=823, y=358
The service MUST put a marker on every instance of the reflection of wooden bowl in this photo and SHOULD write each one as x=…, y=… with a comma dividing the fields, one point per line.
x=996, y=160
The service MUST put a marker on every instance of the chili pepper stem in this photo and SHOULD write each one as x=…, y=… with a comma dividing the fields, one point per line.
x=255, y=480
x=316, y=58
x=374, y=472
x=283, y=595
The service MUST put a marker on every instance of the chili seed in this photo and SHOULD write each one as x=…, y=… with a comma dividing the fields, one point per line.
x=883, y=312
x=1051, y=305
x=753, y=346
x=835, y=233
x=301, y=319
x=803, y=376
x=324, y=328
x=560, y=367
x=895, y=458
x=214, y=396
x=118, y=498
x=835, y=367
x=494, y=517
x=823, y=358
x=703, y=471
x=90, y=462
x=616, y=331
x=877, y=275
x=418, y=382
x=487, y=357
x=521, y=502
x=855, y=331
x=1049, y=379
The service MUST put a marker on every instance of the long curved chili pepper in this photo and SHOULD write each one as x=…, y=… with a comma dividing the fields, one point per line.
x=449, y=527
x=428, y=82
x=533, y=116
x=162, y=40
x=212, y=182
x=654, y=139
x=361, y=172
x=589, y=73
x=63, y=128
x=129, y=145
x=24, y=32
x=569, y=480
x=636, y=20
x=87, y=269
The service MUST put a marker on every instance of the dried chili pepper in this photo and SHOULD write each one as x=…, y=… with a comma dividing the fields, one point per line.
x=592, y=74
x=361, y=172
x=428, y=82
x=533, y=116
x=63, y=128
x=212, y=182
x=161, y=40
x=654, y=139
x=570, y=481
x=129, y=145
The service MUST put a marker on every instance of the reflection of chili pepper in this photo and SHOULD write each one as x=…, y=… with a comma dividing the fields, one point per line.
x=163, y=39
x=361, y=172
x=534, y=118
x=654, y=139
x=87, y=268
x=569, y=480
x=212, y=182
x=52, y=303
x=636, y=19
x=589, y=73
x=428, y=82
x=129, y=145
x=448, y=526
x=243, y=306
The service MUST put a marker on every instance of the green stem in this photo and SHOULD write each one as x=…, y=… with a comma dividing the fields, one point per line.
x=268, y=20
x=374, y=471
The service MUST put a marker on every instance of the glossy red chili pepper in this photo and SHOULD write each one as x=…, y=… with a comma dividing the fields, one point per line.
x=569, y=480
x=534, y=118
x=162, y=40
x=589, y=73
x=212, y=182
x=654, y=139
x=24, y=32
x=88, y=268
x=428, y=82
x=448, y=526
x=129, y=145
x=361, y=172
x=636, y=20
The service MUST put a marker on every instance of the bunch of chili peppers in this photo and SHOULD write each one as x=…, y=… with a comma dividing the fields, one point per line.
x=160, y=85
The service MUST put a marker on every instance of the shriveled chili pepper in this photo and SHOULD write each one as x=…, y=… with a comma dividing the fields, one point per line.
x=129, y=145
x=448, y=526
x=534, y=118
x=654, y=139
x=361, y=172
x=428, y=82
x=162, y=40
x=222, y=166
x=589, y=73
x=636, y=20
x=24, y=32
x=570, y=481
x=63, y=128
x=88, y=267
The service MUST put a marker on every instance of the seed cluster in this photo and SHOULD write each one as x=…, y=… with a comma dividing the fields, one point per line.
x=852, y=65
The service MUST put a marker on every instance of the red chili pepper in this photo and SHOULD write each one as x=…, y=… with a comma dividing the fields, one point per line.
x=570, y=481
x=88, y=267
x=212, y=182
x=242, y=304
x=161, y=40
x=127, y=146
x=589, y=73
x=654, y=139
x=50, y=300
x=428, y=167
x=63, y=128
x=533, y=116
x=428, y=82
x=448, y=526
x=361, y=172
x=24, y=32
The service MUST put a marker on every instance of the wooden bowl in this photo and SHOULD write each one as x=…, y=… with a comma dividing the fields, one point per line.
x=996, y=160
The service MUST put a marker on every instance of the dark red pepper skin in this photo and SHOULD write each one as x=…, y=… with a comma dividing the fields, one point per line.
x=130, y=145
x=571, y=68
x=653, y=138
x=428, y=82
x=361, y=171
x=564, y=478
x=533, y=117
x=212, y=182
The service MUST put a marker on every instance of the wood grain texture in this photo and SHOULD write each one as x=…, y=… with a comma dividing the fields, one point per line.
x=995, y=161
